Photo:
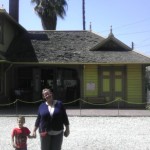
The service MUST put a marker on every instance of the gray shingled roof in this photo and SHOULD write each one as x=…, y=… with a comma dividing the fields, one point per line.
x=67, y=47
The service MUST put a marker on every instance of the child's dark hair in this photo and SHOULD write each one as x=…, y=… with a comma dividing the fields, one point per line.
x=21, y=118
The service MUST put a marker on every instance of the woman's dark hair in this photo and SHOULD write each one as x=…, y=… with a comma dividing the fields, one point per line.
x=46, y=89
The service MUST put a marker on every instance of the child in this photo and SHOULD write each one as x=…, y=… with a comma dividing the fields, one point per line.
x=20, y=134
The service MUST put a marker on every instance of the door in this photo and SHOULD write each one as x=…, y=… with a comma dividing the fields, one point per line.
x=112, y=83
x=68, y=86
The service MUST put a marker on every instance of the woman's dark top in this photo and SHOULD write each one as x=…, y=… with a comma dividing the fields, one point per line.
x=46, y=122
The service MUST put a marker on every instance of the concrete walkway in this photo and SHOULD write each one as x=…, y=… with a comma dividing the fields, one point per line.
x=32, y=111
x=90, y=133
x=109, y=112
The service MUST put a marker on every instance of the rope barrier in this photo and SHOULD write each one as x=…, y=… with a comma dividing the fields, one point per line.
x=9, y=103
x=71, y=102
x=130, y=102
x=97, y=103
x=82, y=100
x=30, y=102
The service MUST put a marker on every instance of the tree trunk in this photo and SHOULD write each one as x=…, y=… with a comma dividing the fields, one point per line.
x=49, y=23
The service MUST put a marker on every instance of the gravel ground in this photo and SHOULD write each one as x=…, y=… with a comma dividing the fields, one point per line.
x=90, y=133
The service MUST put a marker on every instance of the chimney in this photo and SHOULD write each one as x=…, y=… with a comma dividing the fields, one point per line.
x=132, y=44
x=14, y=9
x=90, y=27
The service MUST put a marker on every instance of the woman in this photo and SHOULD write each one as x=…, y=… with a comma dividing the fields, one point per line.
x=51, y=120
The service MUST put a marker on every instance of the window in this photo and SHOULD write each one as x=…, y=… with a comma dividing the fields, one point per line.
x=24, y=78
x=1, y=30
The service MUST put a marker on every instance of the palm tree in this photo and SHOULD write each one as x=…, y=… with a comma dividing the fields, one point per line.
x=49, y=10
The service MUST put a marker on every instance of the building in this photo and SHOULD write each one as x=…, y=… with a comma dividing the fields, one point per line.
x=75, y=64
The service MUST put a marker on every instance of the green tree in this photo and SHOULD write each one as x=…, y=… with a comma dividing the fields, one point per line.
x=49, y=10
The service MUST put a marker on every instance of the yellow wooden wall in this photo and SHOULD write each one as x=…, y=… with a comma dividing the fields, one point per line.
x=134, y=83
x=90, y=74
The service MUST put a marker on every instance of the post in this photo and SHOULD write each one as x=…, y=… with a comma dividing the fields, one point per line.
x=80, y=107
x=118, y=107
x=16, y=108
x=83, y=13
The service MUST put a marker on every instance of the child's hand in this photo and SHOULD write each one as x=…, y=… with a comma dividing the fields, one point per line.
x=32, y=136
x=14, y=145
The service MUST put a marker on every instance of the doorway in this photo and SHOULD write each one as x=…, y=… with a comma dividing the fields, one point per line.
x=112, y=83
x=64, y=82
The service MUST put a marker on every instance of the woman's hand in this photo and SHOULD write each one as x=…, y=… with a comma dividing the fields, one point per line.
x=67, y=131
x=34, y=132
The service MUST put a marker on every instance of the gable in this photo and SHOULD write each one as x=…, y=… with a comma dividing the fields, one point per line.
x=9, y=30
x=1, y=29
x=5, y=15
x=21, y=49
x=111, y=44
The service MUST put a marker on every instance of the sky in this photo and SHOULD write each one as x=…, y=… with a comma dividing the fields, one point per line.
x=130, y=19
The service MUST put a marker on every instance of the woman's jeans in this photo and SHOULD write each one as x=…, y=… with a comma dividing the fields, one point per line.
x=52, y=142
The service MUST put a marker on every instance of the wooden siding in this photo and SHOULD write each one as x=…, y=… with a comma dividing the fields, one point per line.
x=90, y=74
x=134, y=83
x=9, y=33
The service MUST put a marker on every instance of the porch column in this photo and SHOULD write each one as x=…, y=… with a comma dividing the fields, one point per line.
x=36, y=84
x=148, y=83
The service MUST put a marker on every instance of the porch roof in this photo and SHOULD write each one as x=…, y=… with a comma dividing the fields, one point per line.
x=70, y=47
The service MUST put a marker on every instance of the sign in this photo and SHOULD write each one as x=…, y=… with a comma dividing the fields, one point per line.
x=90, y=86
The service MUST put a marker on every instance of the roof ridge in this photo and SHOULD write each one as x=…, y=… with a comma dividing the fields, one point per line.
x=140, y=53
x=57, y=30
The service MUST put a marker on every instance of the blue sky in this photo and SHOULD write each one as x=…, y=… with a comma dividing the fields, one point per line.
x=130, y=19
